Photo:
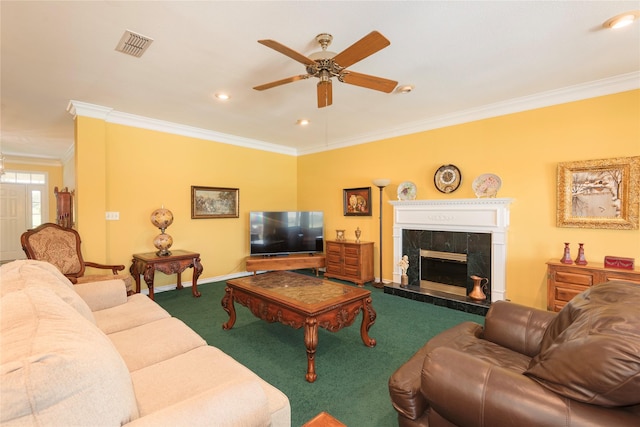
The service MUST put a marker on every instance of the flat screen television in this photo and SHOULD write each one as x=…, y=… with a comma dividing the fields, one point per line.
x=286, y=232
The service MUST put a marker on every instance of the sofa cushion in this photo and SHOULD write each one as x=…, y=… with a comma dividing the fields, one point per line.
x=56, y=368
x=154, y=342
x=592, y=350
x=219, y=406
x=21, y=274
x=189, y=374
x=138, y=310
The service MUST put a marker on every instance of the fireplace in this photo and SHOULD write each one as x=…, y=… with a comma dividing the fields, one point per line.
x=448, y=241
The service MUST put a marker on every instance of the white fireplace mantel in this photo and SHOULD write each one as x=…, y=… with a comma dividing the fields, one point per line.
x=490, y=215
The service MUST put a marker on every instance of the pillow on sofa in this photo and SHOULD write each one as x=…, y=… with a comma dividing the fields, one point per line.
x=595, y=355
x=21, y=274
x=56, y=368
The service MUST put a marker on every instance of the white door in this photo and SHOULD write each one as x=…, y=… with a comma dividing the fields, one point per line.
x=22, y=206
x=13, y=220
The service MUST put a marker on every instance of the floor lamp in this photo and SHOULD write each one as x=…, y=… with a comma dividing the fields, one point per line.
x=380, y=183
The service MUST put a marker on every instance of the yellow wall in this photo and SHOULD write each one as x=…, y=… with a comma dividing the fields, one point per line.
x=523, y=149
x=90, y=164
x=144, y=170
x=134, y=171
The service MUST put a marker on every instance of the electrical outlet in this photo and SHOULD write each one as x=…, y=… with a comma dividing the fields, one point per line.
x=112, y=216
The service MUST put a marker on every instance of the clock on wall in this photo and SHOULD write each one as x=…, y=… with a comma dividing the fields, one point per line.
x=447, y=178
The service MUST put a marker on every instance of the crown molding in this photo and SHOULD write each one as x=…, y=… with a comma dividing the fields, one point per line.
x=38, y=161
x=594, y=89
x=608, y=86
x=84, y=109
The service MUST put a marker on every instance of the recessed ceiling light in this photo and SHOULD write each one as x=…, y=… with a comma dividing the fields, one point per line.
x=622, y=20
x=404, y=88
x=302, y=122
x=222, y=96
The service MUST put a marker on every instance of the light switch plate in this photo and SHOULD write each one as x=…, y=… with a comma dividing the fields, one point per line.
x=112, y=216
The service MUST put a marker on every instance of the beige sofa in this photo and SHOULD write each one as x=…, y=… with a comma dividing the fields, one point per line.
x=88, y=355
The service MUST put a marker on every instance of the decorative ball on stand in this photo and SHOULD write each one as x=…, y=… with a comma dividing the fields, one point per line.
x=162, y=218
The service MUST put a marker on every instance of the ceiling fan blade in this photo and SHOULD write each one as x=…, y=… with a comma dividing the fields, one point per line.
x=325, y=95
x=368, y=45
x=370, y=82
x=287, y=51
x=282, y=82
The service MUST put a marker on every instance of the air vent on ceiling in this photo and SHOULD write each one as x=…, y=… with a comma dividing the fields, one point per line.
x=133, y=44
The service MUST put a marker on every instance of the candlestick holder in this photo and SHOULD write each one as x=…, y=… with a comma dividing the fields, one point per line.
x=581, y=260
x=566, y=258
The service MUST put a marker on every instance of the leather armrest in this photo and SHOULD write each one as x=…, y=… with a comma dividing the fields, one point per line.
x=469, y=392
x=516, y=327
x=404, y=383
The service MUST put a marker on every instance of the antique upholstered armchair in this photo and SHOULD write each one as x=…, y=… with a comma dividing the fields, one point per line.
x=61, y=247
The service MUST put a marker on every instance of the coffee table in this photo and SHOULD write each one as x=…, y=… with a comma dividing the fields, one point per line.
x=298, y=301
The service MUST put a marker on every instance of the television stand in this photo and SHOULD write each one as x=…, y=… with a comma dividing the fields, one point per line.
x=287, y=262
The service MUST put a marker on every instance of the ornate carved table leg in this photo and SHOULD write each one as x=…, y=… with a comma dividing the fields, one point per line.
x=135, y=272
x=149, y=273
x=179, y=280
x=227, y=305
x=197, y=270
x=311, y=342
x=368, y=319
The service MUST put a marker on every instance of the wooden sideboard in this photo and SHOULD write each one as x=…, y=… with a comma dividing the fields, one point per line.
x=565, y=281
x=350, y=260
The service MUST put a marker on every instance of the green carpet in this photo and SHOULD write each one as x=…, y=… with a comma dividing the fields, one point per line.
x=352, y=378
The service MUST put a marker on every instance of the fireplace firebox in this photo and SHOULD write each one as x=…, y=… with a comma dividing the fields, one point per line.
x=443, y=271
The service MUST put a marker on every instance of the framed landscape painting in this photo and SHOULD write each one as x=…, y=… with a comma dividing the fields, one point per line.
x=214, y=202
x=599, y=193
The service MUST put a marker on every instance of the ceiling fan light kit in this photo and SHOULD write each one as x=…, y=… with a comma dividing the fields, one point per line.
x=326, y=64
x=622, y=20
x=404, y=89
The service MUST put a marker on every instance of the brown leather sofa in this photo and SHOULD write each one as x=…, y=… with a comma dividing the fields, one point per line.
x=528, y=367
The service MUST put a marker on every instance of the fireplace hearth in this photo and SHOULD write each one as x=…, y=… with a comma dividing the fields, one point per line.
x=447, y=241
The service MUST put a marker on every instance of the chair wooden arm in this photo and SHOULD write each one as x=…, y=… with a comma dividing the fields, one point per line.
x=114, y=268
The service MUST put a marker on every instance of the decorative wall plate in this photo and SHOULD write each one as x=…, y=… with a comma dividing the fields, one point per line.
x=447, y=178
x=486, y=185
x=407, y=191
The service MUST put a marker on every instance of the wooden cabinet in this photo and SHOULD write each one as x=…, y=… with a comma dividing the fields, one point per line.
x=565, y=281
x=348, y=260
x=64, y=207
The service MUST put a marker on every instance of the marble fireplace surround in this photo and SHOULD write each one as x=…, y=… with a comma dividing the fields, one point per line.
x=490, y=215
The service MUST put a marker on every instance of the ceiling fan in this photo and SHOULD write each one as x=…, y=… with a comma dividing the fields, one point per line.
x=325, y=64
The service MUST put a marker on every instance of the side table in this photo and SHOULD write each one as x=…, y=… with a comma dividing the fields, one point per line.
x=323, y=419
x=147, y=263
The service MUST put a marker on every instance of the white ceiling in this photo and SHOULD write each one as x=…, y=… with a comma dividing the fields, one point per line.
x=467, y=59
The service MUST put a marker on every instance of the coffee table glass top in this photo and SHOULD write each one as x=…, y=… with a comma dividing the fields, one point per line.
x=298, y=287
